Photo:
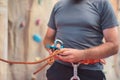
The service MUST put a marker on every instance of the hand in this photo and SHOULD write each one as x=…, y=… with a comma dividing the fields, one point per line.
x=71, y=55
x=51, y=51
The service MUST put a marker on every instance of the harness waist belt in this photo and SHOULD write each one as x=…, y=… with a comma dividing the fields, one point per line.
x=92, y=61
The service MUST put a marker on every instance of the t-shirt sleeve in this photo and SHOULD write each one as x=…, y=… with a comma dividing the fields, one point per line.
x=51, y=22
x=108, y=17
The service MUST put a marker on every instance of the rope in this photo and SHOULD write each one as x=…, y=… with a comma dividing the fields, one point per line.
x=40, y=68
x=36, y=62
x=49, y=59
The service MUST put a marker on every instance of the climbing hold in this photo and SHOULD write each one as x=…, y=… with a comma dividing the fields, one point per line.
x=33, y=77
x=37, y=38
x=37, y=58
x=39, y=1
x=38, y=22
x=105, y=72
x=22, y=24
x=113, y=66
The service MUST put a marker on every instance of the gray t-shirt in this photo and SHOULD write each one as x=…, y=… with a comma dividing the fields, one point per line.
x=80, y=26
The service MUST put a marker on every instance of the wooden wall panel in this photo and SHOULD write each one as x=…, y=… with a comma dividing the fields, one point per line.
x=22, y=26
x=3, y=38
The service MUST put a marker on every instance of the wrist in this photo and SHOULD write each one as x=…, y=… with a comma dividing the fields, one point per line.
x=87, y=54
x=84, y=55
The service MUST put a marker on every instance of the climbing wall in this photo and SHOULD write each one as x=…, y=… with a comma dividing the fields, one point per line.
x=25, y=19
x=3, y=38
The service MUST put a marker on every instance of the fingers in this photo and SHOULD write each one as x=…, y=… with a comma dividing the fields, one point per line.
x=65, y=58
x=65, y=52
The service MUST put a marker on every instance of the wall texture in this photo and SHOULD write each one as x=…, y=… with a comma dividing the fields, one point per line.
x=25, y=18
x=3, y=38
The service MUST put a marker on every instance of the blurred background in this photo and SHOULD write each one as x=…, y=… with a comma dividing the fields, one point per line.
x=19, y=21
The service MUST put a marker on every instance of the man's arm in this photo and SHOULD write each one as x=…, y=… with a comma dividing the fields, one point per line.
x=49, y=37
x=110, y=47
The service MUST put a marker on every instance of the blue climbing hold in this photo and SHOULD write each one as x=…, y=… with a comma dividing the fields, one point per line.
x=37, y=38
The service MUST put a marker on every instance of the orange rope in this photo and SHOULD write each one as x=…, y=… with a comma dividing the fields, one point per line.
x=36, y=62
x=49, y=59
x=40, y=68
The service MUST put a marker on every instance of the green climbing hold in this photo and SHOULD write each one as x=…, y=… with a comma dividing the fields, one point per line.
x=105, y=72
x=39, y=1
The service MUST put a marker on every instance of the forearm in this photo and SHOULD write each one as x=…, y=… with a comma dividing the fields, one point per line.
x=105, y=50
x=49, y=37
